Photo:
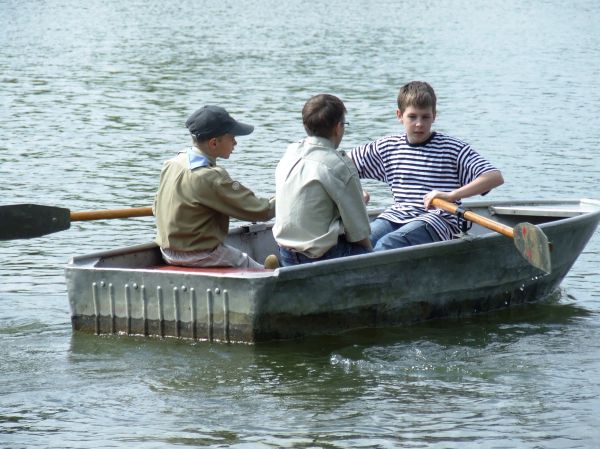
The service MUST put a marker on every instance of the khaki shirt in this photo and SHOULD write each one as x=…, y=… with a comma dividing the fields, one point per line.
x=319, y=197
x=193, y=205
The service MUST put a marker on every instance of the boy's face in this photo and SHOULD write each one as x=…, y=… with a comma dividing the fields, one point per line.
x=417, y=123
x=223, y=146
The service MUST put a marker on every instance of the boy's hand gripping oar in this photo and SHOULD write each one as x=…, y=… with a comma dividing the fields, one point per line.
x=22, y=221
x=530, y=240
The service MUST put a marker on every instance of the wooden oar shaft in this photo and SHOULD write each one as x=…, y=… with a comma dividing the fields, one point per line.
x=475, y=218
x=111, y=213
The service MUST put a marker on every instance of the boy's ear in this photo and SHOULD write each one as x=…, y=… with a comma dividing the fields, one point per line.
x=399, y=115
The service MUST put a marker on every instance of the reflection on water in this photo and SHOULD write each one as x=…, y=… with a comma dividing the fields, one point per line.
x=94, y=97
x=341, y=385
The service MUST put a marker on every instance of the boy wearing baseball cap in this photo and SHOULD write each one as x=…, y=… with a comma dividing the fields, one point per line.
x=196, y=198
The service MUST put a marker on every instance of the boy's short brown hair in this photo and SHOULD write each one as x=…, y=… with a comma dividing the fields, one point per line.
x=417, y=94
x=321, y=114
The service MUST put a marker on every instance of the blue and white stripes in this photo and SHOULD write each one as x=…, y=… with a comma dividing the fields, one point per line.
x=440, y=163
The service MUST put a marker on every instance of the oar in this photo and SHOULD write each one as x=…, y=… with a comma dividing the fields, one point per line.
x=530, y=240
x=23, y=221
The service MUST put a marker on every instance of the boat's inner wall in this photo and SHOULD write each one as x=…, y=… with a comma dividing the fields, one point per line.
x=257, y=241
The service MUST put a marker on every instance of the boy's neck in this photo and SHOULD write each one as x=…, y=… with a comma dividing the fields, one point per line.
x=421, y=142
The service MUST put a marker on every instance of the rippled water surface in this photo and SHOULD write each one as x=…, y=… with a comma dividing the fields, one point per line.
x=93, y=97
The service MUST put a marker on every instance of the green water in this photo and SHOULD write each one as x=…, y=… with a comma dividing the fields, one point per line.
x=93, y=97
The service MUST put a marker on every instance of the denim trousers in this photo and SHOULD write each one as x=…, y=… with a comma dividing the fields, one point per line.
x=387, y=235
x=342, y=249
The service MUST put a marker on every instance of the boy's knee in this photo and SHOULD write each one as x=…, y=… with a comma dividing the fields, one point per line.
x=391, y=241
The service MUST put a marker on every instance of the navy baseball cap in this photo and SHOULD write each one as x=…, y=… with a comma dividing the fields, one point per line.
x=214, y=121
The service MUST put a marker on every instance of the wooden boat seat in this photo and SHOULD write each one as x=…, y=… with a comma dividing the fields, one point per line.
x=537, y=211
x=207, y=270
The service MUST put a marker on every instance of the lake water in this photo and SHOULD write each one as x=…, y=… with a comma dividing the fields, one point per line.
x=94, y=96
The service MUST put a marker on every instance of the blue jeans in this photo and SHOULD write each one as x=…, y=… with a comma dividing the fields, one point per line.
x=387, y=235
x=342, y=249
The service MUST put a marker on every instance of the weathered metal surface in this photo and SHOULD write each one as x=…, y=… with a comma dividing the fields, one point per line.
x=118, y=292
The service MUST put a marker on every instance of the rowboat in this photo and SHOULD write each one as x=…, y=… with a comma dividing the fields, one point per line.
x=132, y=291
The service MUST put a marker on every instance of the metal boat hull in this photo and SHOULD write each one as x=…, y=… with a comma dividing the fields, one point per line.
x=131, y=291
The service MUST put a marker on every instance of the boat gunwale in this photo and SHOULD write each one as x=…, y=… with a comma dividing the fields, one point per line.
x=88, y=261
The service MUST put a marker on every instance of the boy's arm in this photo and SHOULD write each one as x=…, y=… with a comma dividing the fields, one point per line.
x=479, y=186
x=366, y=195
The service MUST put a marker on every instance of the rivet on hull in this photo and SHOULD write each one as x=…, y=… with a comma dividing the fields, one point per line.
x=111, y=293
x=176, y=310
x=161, y=324
x=193, y=313
x=127, y=307
x=96, y=308
x=226, y=316
x=144, y=299
x=209, y=314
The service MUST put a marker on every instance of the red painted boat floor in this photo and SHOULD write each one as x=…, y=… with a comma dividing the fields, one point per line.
x=207, y=270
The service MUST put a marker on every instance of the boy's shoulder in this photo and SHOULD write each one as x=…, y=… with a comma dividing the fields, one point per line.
x=437, y=139
x=392, y=138
x=388, y=142
x=443, y=139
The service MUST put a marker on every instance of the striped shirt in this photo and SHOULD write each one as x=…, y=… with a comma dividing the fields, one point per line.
x=440, y=163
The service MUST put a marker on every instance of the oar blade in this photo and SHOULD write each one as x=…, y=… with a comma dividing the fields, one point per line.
x=533, y=245
x=24, y=221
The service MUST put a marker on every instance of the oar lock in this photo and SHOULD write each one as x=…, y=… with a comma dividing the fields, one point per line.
x=465, y=225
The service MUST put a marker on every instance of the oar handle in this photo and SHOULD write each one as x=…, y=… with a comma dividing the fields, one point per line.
x=111, y=213
x=471, y=216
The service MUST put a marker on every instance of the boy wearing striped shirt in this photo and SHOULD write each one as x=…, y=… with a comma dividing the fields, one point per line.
x=421, y=165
